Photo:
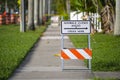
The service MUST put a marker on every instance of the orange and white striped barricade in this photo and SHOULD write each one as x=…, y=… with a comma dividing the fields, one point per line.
x=1, y=19
x=79, y=54
x=75, y=27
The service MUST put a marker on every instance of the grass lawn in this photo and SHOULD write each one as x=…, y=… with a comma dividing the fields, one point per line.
x=14, y=46
x=105, y=48
x=105, y=79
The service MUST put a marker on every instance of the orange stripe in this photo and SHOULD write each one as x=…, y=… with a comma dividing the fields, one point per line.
x=88, y=51
x=77, y=54
x=64, y=56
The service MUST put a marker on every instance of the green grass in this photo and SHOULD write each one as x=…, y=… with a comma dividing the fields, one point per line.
x=105, y=48
x=105, y=79
x=14, y=46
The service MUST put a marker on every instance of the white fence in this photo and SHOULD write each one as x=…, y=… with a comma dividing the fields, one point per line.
x=94, y=17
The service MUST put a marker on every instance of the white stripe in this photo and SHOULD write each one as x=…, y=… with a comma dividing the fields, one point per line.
x=84, y=54
x=68, y=53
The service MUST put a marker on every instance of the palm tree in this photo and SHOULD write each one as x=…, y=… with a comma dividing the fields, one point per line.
x=106, y=8
x=43, y=12
x=117, y=25
x=40, y=11
x=36, y=12
x=22, y=16
x=31, y=15
x=68, y=7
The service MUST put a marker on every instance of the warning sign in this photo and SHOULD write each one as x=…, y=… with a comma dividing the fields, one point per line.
x=75, y=27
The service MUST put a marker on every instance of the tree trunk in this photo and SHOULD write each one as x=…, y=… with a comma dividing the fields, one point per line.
x=68, y=7
x=22, y=17
x=36, y=12
x=49, y=7
x=107, y=19
x=117, y=23
x=31, y=15
x=40, y=11
x=43, y=10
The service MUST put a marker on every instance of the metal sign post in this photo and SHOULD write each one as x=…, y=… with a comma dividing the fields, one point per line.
x=62, y=47
x=76, y=27
x=89, y=66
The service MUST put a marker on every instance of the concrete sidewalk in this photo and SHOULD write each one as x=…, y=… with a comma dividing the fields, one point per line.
x=42, y=64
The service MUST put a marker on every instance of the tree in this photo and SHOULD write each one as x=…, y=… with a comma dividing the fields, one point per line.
x=40, y=12
x=78, y=5
x=117, y=24
x=59, y=6
x=68, y=7
x=6, y=5
x=31, y=15
x=83, y=6
x=22, y=17
x=36, y=12
x=44, y=18
x=106, y=8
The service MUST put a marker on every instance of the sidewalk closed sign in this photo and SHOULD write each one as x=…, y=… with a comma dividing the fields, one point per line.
x=75, y=27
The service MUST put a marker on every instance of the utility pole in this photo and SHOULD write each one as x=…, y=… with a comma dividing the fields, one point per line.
x=22, y=13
